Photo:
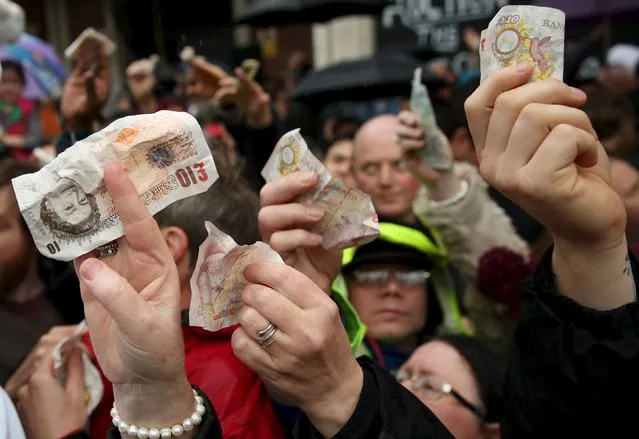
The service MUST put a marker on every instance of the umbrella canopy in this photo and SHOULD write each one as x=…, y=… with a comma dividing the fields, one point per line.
x=265, y=13
x=384, y=75
x=44, y=70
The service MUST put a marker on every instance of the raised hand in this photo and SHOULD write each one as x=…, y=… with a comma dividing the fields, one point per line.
x=307, y=361
x=411, y=138
x=541, y=151
x=284, y=226
x=85, y=92
x=41, y=350
x=207, y=78
x=132, y=308
x=249, y=97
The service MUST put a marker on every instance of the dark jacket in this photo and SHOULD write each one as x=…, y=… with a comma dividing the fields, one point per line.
x=572, y=373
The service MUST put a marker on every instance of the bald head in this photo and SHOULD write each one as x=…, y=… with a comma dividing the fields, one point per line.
x=380, y=170
x=378, y=132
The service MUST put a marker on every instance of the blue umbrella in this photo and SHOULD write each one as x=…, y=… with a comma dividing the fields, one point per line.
x=45, y=76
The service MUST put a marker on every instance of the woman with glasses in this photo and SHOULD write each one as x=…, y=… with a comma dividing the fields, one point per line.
x=459, y=380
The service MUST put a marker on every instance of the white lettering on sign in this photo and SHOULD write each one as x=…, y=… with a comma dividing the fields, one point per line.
x=436, y=22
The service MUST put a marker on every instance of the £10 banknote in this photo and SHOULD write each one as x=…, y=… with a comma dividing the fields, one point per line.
x=65, y=204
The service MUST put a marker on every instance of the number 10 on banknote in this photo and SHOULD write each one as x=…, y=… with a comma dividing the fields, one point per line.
x=524, y=34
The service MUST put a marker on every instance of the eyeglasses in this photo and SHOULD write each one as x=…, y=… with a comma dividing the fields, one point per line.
x=433, y=388
x=380, y=276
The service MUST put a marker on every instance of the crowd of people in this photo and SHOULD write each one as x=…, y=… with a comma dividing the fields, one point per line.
x=429, y=331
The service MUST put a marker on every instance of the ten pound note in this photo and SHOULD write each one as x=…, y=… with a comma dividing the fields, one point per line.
x=65, y=204
x=524, y=34
x=349, y=216
x=435, y=154
x=217, y=281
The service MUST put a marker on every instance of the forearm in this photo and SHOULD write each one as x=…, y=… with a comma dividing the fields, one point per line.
x=597, y=279
x=471, y=225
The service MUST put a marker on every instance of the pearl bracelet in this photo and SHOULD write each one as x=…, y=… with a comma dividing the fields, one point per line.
x=165, y=433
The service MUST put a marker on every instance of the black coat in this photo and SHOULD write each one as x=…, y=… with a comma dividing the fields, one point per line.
x=573, y=373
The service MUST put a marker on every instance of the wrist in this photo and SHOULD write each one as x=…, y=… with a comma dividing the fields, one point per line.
x=447, y=186
x=598, y=277
x=154, y=405
x=330, y=413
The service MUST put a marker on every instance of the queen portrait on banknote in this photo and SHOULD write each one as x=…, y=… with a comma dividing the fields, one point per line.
x=69, y=209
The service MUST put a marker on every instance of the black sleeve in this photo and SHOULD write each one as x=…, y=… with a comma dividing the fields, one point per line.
x=210, y=427
x=385, y=410
x=573, y=370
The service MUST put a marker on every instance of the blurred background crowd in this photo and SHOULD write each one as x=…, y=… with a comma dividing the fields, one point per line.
x=340, y=71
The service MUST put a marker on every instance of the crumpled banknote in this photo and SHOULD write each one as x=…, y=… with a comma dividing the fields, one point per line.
x=65, y=204
x=436, y=153
x=93, y=387
x=217, y=281
x=90, y=40
x=524, y=34
x=349, y=216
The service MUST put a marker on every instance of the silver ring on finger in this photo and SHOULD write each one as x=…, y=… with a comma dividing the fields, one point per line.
x=109, y=249
x=266, y=337
x=398, y=140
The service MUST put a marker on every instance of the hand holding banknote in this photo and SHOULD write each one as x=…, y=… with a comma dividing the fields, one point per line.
x=132, y=307
x=63, y=351
x=349, y=216
x=218, y=278
x=49, y=409
x=249, y=97
x=435, y=153
x=442, y=184
x=85, y=92
x=65, y=204
x=286, y=225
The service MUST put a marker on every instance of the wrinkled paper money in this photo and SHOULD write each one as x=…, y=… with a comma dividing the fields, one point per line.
x=436, y=154
x=217, y=281
x=349, y=216
x=93, y=387
x=90, y=40
x=524, y=34
x=65, y=204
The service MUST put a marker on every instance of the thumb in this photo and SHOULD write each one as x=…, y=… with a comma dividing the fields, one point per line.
x=114, y=293
x=75, y=374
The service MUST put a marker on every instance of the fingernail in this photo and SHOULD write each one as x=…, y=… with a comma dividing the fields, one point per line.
x=306, y=177
x=522, y=67
x=579, y=92
x=315, y=212
x=91, y=268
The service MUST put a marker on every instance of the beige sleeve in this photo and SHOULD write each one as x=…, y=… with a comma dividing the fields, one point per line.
x=469, y=228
